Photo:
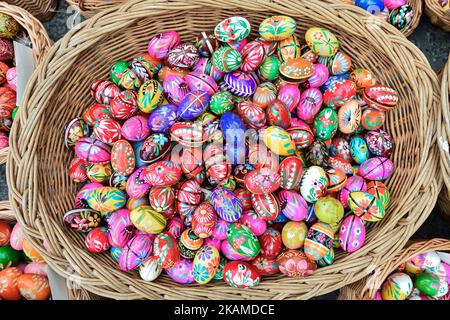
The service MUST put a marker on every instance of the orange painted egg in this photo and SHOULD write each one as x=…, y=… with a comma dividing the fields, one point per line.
x=34, y=287
x=372, y=119
x=295, y=70
x=31, y=252
x=8, y=283
x=349, y=117
x=363, y=78
x=336, y=179
x=366, y=206
x=5, y=233
x=123, y=159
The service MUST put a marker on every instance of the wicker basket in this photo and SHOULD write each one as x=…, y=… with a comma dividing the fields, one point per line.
x=437, y=15
x=88, y=8
x=41, y=9
x=366, y=288
x=444, y=138
x=38, y=36
x=41, y=190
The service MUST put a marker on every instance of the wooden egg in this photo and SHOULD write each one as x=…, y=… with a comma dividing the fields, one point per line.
x=266, y=266
x=166, y=250
x=206, y=43
x=266, y=206
x=269, y=68
x=16, y=237
x=380, y=97
x=10, y=28
x=104, y=91
x=33, y=287
x=296, y=70
x=301, y=134
x=8, y=283
x=206, y=263
x=5, y=233
x=290, y=171
x=378, y=168
x=95, y=113
x=74, y=131
x=352, y=233
x=397, y=286
x=353, y=184
x=322, y=42
x=227, y=205
x=93, y=150
x=294, y=263
x=277, y=28
x=265, y=94
x=366, y=206
x=336, y=179
x=310, y=104
x=379, y=191
x=326, y=124
x=252, y=56
x=278, y=114
x=349, y=117
x=359, y=149
x=278, y=141
x=136, y=251
x=319, y=241
x=182, y=272
x=292, y=205
x=98, y=172
x=238, y=274
x=294, y=234
x=150, y=96
x=339, y=93
x=106, y=199
x=97, y=240
x=162, y=173
x=232, y=29
x=148, y=220
x=329, y=210
x=183, y=56
x=379, y=142
x=363, y=78
x=227, y=59
x=240, y=83
x=314, y=183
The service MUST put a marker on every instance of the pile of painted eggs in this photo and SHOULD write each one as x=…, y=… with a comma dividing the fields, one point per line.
x=23, y=272
x=399, y=13
x=9, y=30
x=230, y=158
x=424, y=277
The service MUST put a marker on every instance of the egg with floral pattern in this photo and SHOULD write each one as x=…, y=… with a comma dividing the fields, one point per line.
x=397, y=286
x=266, y=266
x=188, y=197
x=294, y=234
x=292, y=205
x=271, y=243
x=352, y=233
x=136, y=186
x=135, y=128
x=322, y=42
x=106, y=199
x=136, y=252
x=227, y=205
x=166, y=250
x=277, y=28
x=120, y=228
x=74, y=131
x=162, y=118
x=366, y=206
x=266, y=206
x=93, y=150
x=379, y=190
x=359, y=150
x=349, y=117
x=238, y=274
x=301, y=134
x=162, y=173
x=243, y=240
x=339, y=93
x=294, y=263
x=193, y=104
x=377, y=168
x=123, y=159
x=252, y=56
x=204, y=220
x=148, y=220
x=206, y=263
x=290, y=171
x=182, y=272
x=314, y=183
x=319, y=241
x=154, y=148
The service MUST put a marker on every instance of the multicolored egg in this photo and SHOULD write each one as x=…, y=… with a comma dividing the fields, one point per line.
x=243, y=240
x=294, y=263
x=352, y=233
x=322, y=42
x=238, y=274
x=136, y=252
x=266, y=206
x=319, y=241
x=166, y=250
x=162, y=173
x=277, y=28
x=252, y=56
x=206, y=263
x=227, y=59
x=106, y=199
x=148, y=220
x=314, y=183
x=182, y=272
x=278, y=141
x=397, y=286
x=366, y=206
x=232, y=29
x=378, y=168
x=294, y=234
x=227, y=205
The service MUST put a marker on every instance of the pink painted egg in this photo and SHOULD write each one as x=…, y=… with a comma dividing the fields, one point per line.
x=292, y=205
x=136, y=252
x=201, y=81
x=213, y=242
x=107, y=130
x=175, y=227
x=124, y=105
x=220, y=230
x=160, y=45
x=266, y=266
x=205, y=65
x=301, y=133
x=352, y=233
x=252, y=220
x=290, y=95
x=39, y=268
x=135, y=128
x=310, y=104
x=93, y=150
x=16, y=238
x=320, y=76
x=136, y=186
x=97, y=240
x=120, y=228
x=11, y=78
x=294, y=263
x=379, y=142
x=161, y=199
x=204, y=220
x=188, y=197
x=231, y=254
x=4, y=140
x=184, y=55
x=266, y=206
x=252, y=56
x=339, y=93
x=271, y=243
x=238, y=274
x=394, y=4
x=262, y=181
x=123, y=159
x=182, y=271
x=175, y=88
x=162, y=173
x=378, y=168
x=278, y=114
x=353, y=184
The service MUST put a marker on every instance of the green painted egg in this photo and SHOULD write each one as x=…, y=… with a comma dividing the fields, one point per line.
x=227, y=59
x=148, y=220
x=327, y=260
x=150, y=96
x=219, y=272
x=221, y=102
x=99, y=172
x=269, y=68
x=9, y=257
x=326, y=124
x=366, y=206
x=279, y=141
x=206, y=264
x=243, y=240
x=106, y=199
x=322, y=42
x=232, y=29
x=277, y=28
x=117, y=71
x=380, y=191
x=427, y=283
x=329, y=210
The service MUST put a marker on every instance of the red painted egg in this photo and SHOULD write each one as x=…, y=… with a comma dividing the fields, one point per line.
x=239, y=274
x=192, y=164
x=266, y=266
x=262, y=181
x=188, y=197
x=294, y=263
x=77, y=170
x=340, y=147
x=104, y=91
x=162, y=173
x=252, y=56
x=271, y=243
x=278, y=114
x=124, y=106
x=161, y=199
x=290, y=171
x=123, y=159
x=97, y=240
x=95, y=113
x=266, y=206
x=204, y=220
x=301, y=134
x=187, y=133
x=380, y=97
x=339, y=93
x=339, y=163
x=372, y=119
x=245, y=197
x=5, y=233
x=252, y=114
x=107, y=130
x=165, y=248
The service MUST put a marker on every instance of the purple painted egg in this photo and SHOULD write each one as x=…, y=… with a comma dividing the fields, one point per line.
x=292, y=205
x=378, y=168
x=220, y=230
x=231, y=254
x=352, y=233
x=202, y=82
x=136, y=186
x=163, y=118
x=135, y=129
x=353, y=184
x=379, y=142
x=310, y=104
x=320, y=76
x=182, y=271
x=83, y=194
x=120, y=228
x=257, y=225
x=193, y=104
x=241, y=84
x=175, y=88
x=136, y=252
x=216, y=243
x=290, y=95
x=175, y=227
x=184, y=55
x=160, y=45
x=93, y=150
x=205, y=65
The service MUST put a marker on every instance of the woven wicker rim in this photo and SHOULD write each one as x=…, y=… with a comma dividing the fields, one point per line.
x=366, y=288
x=437, y=15
x=41, y=9
x=41, y=190
x=38, y=36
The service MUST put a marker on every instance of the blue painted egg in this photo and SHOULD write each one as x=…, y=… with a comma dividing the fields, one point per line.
x=333, y=79
x=227, y=205
x=163, y=118
x=193, y=104
x=359, y=150
x=371, y=6
x=241, y=84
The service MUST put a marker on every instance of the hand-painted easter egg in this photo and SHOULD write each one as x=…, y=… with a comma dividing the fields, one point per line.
x=256, y=224
x=5, y=233
x=97, y=240
x=227, y=59
x=252, y=56
x=206, y=262
x=160, y=45
x=188, y=197
x=318, y=153
x=401, y=17
x=292, y=205
x=339, y=64
x=184, y=55
x=341, y=164
x=379, y=191
x=340, y=147
x=175, y=88
x=154, y=148
x=252, y=114
x=182, y=271
x=104, y=91
x=120, y=228
x=123, y=159
x=150, y=269
x=162, y=173
x=269, y=68
x=8, y=256
x=244, y=195
x=8, y=284
x=166, y=249
x=363, y=78
x=327, y=260
x=314, y=183
x=262, y=181
x=95, y=113
x=290, y=95
x=124, y=106
x=161, y=199
x=366, y=206
x=206, y=43
x=232, y=29
x=202, y=82
x=277, y=28
x=294, y=263
x=226, y=204
x=6, y=50
x=221, y=102
x=278, y=114
x=278, y=141
x=359, y=149
x=93, y=150
x=349, y=117
x=106, y=199
x=326, y=124
x=240, y=83
x=372, y=119
x=190, y=240
x=339, y=93
x=290, y=171
x=193, y=105
x=352, y=233
x=320, y=76
x=162, y=118
x=336, y=180
x=380, y=97
x=243, y=240
x=206, y=66
x=33, y=287
x=136, y=185
x=294, y=234
x=266, y=206
x=378, y=168
x=289, y=48
x=379, y=142
x=135, y=129
x=74, y=131
x=319, y=241
x=397, y=286
x=148, y=220
x=204, y=220
x=11, y=78
x=271, y=243
x=328, y=210
x=266, y=266
x=296, y=70
x=16, y=237
x=322, y=42
x=238, y=274
x=107, y=130
x=354, y=183
x=136, y=251
x=310, y=104
x=372, y=6
x=150, y=96
x=301, y=134
x=265, y=94
x=98, y=172
x=83, y=220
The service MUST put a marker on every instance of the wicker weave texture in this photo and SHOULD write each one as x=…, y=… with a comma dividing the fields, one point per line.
x=366, y=288
x=41, y=9
x=438, y=16
x=42, y=192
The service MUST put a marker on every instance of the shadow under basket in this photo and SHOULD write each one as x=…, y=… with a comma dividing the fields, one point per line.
x=59, y=91
x=366, y=288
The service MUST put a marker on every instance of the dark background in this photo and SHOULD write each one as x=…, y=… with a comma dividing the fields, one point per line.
x=431, y=40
